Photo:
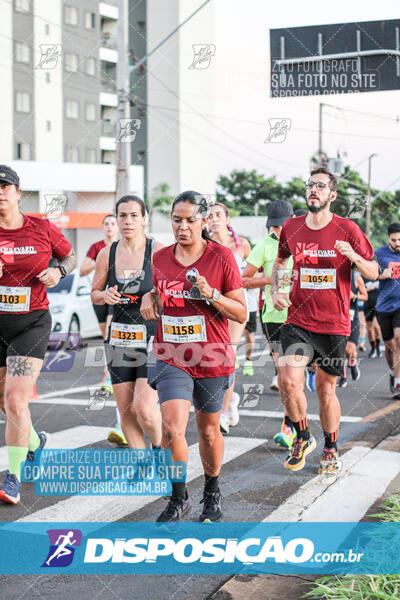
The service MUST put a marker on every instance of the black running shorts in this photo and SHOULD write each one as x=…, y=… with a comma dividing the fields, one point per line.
x=251, y=325
x=327, y=350
x=369, y=305
x=24, y=335
x=126, y=364
x=387, y=322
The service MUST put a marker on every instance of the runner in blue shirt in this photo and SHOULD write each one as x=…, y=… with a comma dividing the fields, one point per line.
x=388, y=304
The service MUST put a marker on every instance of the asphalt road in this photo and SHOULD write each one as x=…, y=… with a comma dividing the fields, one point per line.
x=254, y=483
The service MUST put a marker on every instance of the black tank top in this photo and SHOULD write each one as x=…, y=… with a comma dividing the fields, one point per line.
x=132, y=290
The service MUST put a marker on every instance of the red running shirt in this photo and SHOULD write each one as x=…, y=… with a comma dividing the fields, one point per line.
x=191, y=334
x=24, y=253
x=95, y=249
x=321, y=279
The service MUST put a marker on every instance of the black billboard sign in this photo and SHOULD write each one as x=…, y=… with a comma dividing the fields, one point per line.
x=342, y=58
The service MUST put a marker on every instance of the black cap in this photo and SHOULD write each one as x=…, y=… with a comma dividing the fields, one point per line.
x=300, y=212
x=278, y=212
x=8, y=175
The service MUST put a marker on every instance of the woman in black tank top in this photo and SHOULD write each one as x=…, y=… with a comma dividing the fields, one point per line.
x=123, y=275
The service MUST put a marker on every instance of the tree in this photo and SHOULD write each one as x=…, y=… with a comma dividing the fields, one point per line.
x=247, y=191
x=160, y=201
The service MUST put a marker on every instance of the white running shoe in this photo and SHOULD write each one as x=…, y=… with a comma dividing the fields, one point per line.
x=274, y=383
x=233, y=410
x=224, y=423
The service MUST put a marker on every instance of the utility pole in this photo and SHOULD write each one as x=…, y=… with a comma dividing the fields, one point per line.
x=123, y=146
x=368, y=215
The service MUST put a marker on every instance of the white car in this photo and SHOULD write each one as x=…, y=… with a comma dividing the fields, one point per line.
x=71, y=307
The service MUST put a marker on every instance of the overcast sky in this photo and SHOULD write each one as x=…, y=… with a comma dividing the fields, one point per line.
x=243, y=105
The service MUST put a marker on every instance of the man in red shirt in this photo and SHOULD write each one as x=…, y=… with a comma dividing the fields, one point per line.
x=324, y=247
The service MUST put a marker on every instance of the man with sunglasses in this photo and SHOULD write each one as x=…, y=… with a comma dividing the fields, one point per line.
x=324, y=247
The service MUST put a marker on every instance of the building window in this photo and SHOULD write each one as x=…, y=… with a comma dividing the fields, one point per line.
x=90, y=20
x=90, y=155
x=90, y=112
x=90, y=66
x=71, y=15
x=48, y=78
x=22, y=5
x=141, y=25
x=72, y=154
x=23, y=151
x=46, y=29
x=72, y=109
x=71, y=62
x=48, y=125
x=22, y=102
x=22, y=53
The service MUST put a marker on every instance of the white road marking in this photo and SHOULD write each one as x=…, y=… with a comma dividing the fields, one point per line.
x=75, y=437
x=364, y=477
x=112, y=508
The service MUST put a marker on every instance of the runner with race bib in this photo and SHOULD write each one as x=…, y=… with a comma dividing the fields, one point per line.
x=26, y=246
x=125, y=267
x=198, y=284
x=324, y=247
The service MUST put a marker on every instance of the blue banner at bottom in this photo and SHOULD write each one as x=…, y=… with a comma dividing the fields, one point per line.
x=199, y=548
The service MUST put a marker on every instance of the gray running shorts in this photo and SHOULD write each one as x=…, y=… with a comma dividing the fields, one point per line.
x=170, y=382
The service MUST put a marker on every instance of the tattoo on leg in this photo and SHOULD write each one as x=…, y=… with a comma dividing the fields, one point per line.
x=20, y=366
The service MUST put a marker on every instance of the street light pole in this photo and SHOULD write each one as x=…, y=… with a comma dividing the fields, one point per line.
x=368, y=216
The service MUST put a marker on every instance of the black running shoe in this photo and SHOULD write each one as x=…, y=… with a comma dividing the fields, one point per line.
x=175, y=509
x=378, y=351
x=355, y=372
x=391, y=383
x=212, y=509
x=373, y=353
x=341, y=382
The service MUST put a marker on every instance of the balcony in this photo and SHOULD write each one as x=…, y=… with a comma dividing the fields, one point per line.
x=107, y=99
x=108, y=55
x=108, y=11
x=107, y=142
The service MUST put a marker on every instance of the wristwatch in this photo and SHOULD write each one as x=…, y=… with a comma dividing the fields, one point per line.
x=215, y=296
x=62, y=271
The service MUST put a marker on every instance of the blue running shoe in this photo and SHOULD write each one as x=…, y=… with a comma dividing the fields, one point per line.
x=310, y=380
x=9, y=490
x=44, y=439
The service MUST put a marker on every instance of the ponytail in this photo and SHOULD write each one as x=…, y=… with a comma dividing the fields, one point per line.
x=235, y=237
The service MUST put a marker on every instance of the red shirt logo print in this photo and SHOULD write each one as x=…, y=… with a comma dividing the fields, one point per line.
x=307, y=253
x=171, y=292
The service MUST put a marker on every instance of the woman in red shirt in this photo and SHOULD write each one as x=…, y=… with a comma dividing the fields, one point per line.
x=193, y=356
x=26, y=246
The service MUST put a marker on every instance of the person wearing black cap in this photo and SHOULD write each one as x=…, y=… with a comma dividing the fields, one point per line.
x=26, y=246
x=263, y=255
